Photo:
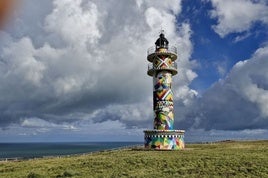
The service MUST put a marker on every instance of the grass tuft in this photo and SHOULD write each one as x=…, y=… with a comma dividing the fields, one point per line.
x=33, y=175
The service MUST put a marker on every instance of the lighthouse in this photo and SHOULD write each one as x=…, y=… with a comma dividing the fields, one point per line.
x=161, y=68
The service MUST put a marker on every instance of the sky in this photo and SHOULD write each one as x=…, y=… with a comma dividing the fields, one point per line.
x=76, y=70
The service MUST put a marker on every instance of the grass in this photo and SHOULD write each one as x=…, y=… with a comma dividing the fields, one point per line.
x=223, y=159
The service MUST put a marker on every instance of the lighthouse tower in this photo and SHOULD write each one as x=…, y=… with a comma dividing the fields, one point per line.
x=162, y=67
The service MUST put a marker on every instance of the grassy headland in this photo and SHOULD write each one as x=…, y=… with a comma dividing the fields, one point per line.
x=222, y=159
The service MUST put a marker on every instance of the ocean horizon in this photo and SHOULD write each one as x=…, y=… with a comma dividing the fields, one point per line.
x=46, y=149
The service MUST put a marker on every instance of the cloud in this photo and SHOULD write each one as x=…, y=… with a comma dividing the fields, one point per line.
x=75, y=61
x=237, y=16
x=80, y=66
x=22, y=62
x=69, y=21
x=237, y=102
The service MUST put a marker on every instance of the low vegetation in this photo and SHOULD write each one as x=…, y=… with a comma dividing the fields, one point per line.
x=221, y=159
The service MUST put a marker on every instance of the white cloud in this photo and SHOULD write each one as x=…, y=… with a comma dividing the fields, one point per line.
x=81, y=66
x=238, y=16
x=182, y=92
x=87, y=57
x=157, y=19
x=186, y=95
x=20, y=58
x=36, y=122
x=237, y=102
x=73, y=24
x=254, y=86
x=241, y=37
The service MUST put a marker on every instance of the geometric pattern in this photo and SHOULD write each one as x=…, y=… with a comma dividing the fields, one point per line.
x=162, y=69
x=162, y=62
x=164, y=141
x=163, y=101
x=164, y=95
x=162, y=81
x=161, y=105
x=164, y=120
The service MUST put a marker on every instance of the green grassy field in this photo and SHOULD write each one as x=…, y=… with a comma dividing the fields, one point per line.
x=223, y=159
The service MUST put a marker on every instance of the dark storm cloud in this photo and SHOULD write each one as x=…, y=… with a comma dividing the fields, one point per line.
x=236, y=103
x=77, y=65
x=64, y=61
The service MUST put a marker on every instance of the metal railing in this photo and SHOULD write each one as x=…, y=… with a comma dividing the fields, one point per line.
x=173, y=66
x=170, y=49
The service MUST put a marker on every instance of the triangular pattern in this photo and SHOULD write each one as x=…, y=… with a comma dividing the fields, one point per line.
x=162, y=62
x=168, y=96
x=160, y=94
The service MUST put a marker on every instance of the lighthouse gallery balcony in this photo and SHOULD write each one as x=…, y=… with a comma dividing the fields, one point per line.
x=171, y=51
x=172, y=68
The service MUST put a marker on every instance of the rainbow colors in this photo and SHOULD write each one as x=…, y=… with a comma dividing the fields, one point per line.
x=162, y=69
x=164, y=140
x=163, y=101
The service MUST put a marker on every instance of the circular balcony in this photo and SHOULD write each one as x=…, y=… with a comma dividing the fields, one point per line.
x=172, y=69
x=170, y=51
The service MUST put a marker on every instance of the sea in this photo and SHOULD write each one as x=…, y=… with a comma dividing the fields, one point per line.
x=39, y=150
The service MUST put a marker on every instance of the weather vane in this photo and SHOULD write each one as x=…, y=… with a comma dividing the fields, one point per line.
x=162, y=30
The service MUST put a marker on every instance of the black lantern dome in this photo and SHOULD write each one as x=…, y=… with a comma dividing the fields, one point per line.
x=161, y=42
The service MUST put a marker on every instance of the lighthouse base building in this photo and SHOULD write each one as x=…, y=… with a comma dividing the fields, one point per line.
x=164, y=139
x=162, y=67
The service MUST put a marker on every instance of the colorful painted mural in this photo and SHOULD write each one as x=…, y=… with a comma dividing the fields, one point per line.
x=162, y=69
x=162, y=62
x=163, y=101
x=164, y=140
